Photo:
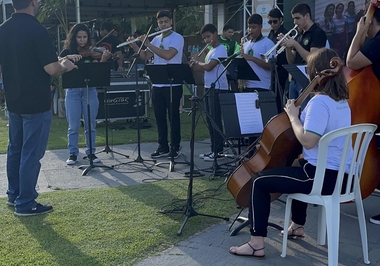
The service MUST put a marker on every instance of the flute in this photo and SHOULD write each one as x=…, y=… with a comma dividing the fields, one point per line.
x=202, y=51
x=150, y=35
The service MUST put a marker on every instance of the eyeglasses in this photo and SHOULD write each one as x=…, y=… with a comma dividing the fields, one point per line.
x=273, y=21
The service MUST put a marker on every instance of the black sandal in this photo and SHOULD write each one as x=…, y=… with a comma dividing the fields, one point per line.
x=250, y=255
x=293, y=235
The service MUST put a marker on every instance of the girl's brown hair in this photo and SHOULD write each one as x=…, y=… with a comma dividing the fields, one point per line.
x=335, y=86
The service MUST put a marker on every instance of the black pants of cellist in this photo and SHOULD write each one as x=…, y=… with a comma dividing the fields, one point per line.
x=283, y=180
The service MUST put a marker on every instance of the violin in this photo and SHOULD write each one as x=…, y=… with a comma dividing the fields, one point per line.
x=95, y=53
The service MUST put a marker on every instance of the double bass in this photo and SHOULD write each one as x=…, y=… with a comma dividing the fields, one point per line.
x=278, y=146
x=364, y=101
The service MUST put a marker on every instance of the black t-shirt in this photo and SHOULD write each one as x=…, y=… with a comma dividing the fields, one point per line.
x=281, y=58
x=371, y=50
x=25, y=48
x=111, y=43
x=314, y=37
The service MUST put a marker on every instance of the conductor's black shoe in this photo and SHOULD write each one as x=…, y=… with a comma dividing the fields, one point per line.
x=160, y=152
x=38, y=209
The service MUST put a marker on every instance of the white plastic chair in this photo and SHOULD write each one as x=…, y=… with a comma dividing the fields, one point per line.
x=329, y=206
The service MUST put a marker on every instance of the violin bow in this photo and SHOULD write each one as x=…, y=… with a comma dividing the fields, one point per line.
x=108, y=34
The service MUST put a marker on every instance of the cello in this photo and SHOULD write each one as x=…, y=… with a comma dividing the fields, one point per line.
x=278, y=146
x=364, y=101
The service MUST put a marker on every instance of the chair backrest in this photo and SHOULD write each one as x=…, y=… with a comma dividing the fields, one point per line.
x=356, y=138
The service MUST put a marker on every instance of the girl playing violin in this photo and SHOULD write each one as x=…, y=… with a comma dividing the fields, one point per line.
x=328, y=110
x=77, y=49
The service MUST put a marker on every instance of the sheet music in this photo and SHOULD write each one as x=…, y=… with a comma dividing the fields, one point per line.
x=302, y=68
x=250, y=119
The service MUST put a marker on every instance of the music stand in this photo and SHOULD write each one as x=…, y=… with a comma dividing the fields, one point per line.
x=239, y=68
x=183, y=72
x=164, y=74
x=298, y=72
x=88, y=75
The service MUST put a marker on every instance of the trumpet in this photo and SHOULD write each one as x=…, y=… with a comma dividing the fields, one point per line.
x=150, y=35
x=265, y=56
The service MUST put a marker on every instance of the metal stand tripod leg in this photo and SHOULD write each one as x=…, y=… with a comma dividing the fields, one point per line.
x=190, y=212
x=107, y=148
x=87, y=168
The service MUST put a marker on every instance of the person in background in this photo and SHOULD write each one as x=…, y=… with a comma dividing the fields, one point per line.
x=328, y=110
x=212, y=70
x=252, y=50
x=226, y=40
x=110, y=43
x=77, y=42
x=166, y=48
x=232, y=47
x=350, y=16
x=368, y=55
x=340, y=34
x=26, y=45
x=275, y=20
x=326, y=22
x=310, y=38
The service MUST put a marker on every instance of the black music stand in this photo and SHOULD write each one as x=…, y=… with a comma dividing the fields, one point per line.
x=169, y=74
x=88, y=75
x=239, y=68
x=183, y=72
x=297, y=74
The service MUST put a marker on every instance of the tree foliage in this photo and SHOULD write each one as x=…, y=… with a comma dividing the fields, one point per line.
x=57, y=8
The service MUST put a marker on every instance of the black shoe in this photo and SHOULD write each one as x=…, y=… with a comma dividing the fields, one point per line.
x=72, y=159
x=94, y=158
x=39, y=209
x=160, y=152
x=174, y=153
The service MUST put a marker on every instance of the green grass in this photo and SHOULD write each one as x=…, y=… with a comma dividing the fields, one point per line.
x=119, y=132
x=113, y=226
x=117, y=226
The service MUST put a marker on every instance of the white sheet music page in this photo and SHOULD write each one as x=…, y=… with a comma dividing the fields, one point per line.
x=302, y=68
x=250, y=119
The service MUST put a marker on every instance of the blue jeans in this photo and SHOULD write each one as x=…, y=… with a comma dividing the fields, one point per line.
x=295, y=91
x=76, y=105
x=28, y=138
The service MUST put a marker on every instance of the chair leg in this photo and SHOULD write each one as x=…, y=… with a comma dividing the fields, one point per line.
x=332, y=222
x=321, y=236
x=363, y=229
x=286, y=226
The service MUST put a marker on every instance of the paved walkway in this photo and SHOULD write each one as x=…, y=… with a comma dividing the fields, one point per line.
x=210, y=247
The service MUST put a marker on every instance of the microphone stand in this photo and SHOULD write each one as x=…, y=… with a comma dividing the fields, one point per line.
x=215, y=165
x=139, y=159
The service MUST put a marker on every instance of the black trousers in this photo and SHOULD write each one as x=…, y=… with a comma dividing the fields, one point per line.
x=284, y=180
x=163, y=107
x=215, y=111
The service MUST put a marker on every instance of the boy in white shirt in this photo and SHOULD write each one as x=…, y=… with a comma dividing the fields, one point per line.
x=212, y=70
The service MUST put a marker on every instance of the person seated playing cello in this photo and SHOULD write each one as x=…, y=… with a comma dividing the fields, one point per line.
x=328, y=110
x=360, y=56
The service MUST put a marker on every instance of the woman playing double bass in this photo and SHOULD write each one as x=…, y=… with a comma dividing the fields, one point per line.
x=368, y=54
x=328, y=110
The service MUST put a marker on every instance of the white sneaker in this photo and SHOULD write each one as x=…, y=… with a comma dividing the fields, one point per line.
x=211, y=157
x=203, y=155
x=72, y=159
